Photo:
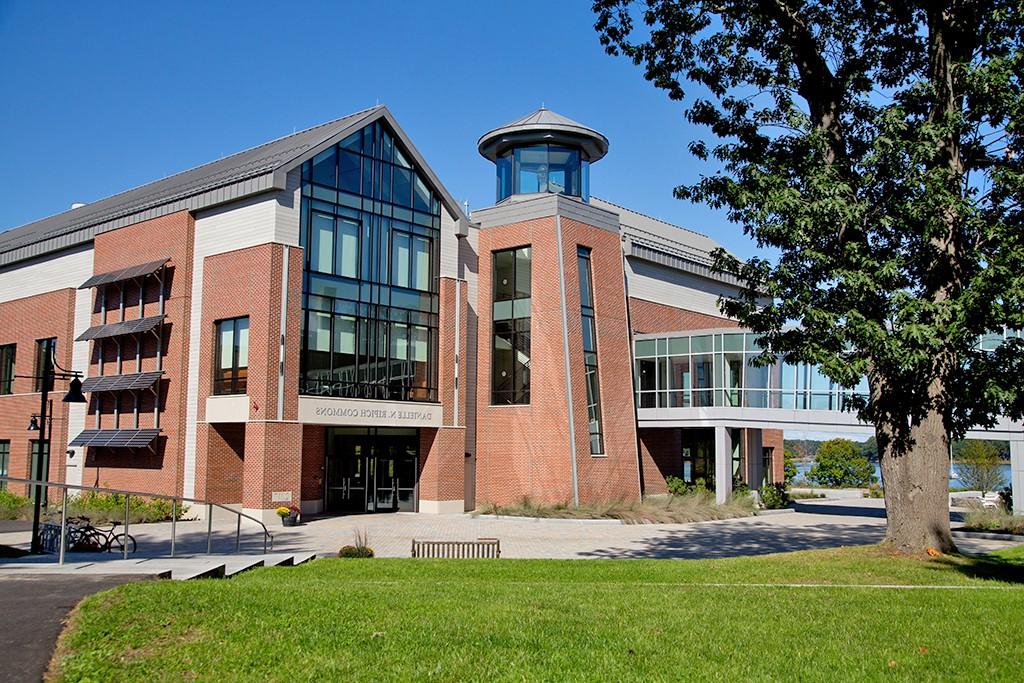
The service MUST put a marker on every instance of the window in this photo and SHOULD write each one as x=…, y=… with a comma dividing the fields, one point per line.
x=410, y=262
x=231, y=359
x=542, y=168
x=5, y=462
x=334, y=246
x=370, y=223
x=34, y=470
x=7, y=368
x=590, y=351
x=510, y=361
x=46, y=350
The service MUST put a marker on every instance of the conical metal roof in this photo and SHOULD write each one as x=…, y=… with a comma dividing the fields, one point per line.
x=540, y=127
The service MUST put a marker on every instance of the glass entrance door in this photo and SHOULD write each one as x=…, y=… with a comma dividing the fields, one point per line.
x=371, y=470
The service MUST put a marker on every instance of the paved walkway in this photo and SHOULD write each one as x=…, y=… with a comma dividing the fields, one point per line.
x=817, y=524
x=32, y=614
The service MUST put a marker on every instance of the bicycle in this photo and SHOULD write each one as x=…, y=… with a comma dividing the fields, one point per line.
x=84, y=537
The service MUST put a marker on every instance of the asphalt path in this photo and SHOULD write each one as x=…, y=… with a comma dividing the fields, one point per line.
x=32, y=614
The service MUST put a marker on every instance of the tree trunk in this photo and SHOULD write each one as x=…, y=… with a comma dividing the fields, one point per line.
x=916, y=484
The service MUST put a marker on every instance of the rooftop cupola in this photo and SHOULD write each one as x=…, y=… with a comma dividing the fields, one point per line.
x=543, y=152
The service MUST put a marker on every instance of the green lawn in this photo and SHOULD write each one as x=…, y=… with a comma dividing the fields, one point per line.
x=607, y=620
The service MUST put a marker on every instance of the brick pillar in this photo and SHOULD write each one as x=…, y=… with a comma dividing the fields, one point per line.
x=273, y=464
x=442, y=470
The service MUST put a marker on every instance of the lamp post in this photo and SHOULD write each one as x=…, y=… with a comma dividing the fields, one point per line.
x=44, y=425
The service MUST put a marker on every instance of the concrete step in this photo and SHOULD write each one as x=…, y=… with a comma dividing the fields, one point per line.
x=182, y=568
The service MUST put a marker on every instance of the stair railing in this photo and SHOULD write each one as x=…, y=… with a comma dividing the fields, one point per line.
x=40, y=485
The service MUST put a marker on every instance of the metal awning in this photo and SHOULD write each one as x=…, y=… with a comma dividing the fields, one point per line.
x=115, y=438
x=121, y=328
x=128, y=273
x=140, y=380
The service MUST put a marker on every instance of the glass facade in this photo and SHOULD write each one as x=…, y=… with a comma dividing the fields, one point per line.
x=590, y=350
x=231, y=364
x=7, y=368
x=370, y=225
x=510, y=350
x=543, y=168
x=716, y=370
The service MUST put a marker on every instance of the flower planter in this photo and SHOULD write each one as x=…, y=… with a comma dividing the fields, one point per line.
x=289, y=521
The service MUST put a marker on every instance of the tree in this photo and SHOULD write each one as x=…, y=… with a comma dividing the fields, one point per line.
x=789, y=470
x=980, y=467
x=878, y=148
x=840, y=463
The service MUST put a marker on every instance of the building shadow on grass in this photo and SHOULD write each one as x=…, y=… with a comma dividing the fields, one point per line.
x=719, y=540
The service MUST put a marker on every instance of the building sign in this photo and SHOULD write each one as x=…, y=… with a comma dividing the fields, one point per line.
x=359, y=413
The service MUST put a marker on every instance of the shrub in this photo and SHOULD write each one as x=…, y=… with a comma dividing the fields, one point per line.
x=359, y=547
x=103, y=508
x=774, y=497
x=993, y=519
x=678, y=487
x=840, y=463
x=1006, y=498
x=13, y=506
x=875, y=491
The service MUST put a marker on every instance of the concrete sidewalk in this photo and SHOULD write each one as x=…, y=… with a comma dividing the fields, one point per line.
x=816, y=524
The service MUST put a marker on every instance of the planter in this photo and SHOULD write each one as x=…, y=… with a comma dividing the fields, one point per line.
x=290, y=521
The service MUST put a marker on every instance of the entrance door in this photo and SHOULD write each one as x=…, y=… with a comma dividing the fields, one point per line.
x=371, y=471
x=348, y=477
x=395, y=474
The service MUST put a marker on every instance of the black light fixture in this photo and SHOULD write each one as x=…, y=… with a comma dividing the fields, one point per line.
x=75, y=394
x=33, y=424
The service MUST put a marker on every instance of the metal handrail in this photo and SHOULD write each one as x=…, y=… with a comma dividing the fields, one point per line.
x=268, y=538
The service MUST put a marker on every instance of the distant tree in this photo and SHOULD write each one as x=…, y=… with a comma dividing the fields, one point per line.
x=1002, y=448
x=840, y=463
x=869, y=449
x=788, y=467
x=878, y=147
x=980, y=467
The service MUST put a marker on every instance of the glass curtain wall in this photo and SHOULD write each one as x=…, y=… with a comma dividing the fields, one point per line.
x=371, y=232
x=590, y=350
x=716, y=370
x=510, y=350
x=543, y=168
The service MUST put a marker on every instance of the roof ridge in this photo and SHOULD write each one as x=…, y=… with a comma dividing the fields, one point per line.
x=659, y=220
x=190, y=169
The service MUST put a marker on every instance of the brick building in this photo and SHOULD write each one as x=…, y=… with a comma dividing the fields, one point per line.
x=315, y=321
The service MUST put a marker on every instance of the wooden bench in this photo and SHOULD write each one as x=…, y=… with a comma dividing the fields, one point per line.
x=482, y=548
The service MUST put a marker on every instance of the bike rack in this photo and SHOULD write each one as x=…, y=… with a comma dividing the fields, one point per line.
x=268, y=538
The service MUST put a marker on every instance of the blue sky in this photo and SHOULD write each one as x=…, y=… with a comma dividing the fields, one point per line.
x=102, y=97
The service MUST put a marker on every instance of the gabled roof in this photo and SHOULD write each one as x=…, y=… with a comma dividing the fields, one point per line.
x=259, y=169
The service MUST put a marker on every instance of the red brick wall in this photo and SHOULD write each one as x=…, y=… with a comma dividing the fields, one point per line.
x=225, y=449
x=616, y=475
x=648, y=317
x=661, y=453
x=773, y=438
x=314, y=442
x=247, y=282
x=22, y=322
x=442, y=451
x=524, y=450
x=142, y=470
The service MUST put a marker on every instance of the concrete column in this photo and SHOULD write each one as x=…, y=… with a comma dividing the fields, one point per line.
x=723, y=464
x=1017, y=476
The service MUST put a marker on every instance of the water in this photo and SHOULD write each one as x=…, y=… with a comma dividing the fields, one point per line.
x=802, y=467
